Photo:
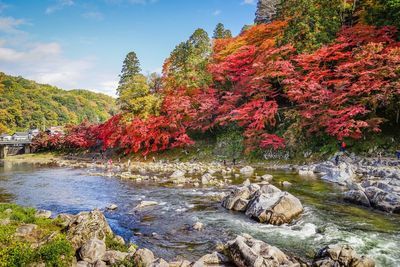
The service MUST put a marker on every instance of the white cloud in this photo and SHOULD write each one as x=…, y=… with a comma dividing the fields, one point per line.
x=60, y=4
x=10, y=24
x=217, y=12
x=249, y=2
x=46, y=62
x=93, y=15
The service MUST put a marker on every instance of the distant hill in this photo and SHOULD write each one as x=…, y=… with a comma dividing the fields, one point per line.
x=26, y=104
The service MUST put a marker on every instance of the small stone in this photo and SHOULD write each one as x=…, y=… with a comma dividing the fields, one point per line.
x=112, y=207
x=25, y=229
x=8, y=211
x=45, y=214
x=144, y=204
x=143, y=257
x=100, y=263
x=198, y=226
x=246, y=183
x=247, y=171
x=286, y=184
x=267, y=177
x=82, y=264
x=159, y=263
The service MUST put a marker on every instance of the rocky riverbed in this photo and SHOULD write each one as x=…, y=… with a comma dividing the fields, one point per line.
x=201, y=188
x=93, y=244
x=371, y=182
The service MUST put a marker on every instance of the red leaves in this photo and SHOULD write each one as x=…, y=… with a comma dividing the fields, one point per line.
x=338, y=90
x=339, y=87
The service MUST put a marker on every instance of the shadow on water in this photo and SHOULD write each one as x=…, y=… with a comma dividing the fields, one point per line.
x=166, y=228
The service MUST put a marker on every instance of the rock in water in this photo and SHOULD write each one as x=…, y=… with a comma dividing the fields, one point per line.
x=267, y=177
x=357, y=197
x=238, y=199
x=144, y=204
x=274, y=208
x=245, y=251
x=112, y=207
x=92, y=251
x=266, y=204
x=336, y=255
x=198, y=226
x=247, y=171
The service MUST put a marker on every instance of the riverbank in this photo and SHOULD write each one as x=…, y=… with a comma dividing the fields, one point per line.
x=31, y=237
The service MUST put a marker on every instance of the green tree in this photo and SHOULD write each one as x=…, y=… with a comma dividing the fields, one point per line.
x=312, y=23
x=130, y=68
x=136, y=98
x=187, y=64
x=220, y=32
x=382, y=12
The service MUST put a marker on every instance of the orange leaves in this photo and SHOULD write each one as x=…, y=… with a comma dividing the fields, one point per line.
x=262, y=36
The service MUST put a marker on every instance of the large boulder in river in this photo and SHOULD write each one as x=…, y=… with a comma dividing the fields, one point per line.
x=85, y=226
x=276, y=208
x=245, y=251
x=343, y=256
x=357, y=197
x=266, y=204
x=238, y=199
x=383, y=200
x=342, y=174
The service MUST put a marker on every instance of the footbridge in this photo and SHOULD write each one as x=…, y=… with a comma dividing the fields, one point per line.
x=14, y=147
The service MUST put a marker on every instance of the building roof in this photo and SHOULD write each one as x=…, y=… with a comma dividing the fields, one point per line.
x=21, y=134
x=4, y=135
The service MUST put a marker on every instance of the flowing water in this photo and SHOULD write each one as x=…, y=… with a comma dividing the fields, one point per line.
x=165, y=229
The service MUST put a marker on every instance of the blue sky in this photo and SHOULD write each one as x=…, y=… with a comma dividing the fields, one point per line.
x=81, y=44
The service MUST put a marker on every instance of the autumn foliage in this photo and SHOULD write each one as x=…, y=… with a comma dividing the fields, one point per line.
x=339, y=90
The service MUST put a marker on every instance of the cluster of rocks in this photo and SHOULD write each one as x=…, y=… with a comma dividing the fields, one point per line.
x=371, y=182
x=246, y=251
x=264, y=203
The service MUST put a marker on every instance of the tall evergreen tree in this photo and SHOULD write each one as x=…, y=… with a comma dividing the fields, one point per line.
x=130, y=68
x=220, y=32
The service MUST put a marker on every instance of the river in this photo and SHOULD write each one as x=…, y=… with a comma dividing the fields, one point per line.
x=165, y=229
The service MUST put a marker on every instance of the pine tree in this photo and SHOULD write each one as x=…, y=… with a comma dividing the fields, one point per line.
x=220, y=32
x=130, y=68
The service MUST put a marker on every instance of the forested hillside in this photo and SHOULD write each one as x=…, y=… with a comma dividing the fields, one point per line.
x=26, y=104
x=307, y=75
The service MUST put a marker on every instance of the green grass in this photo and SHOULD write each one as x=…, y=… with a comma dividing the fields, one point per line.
x=16, y=251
